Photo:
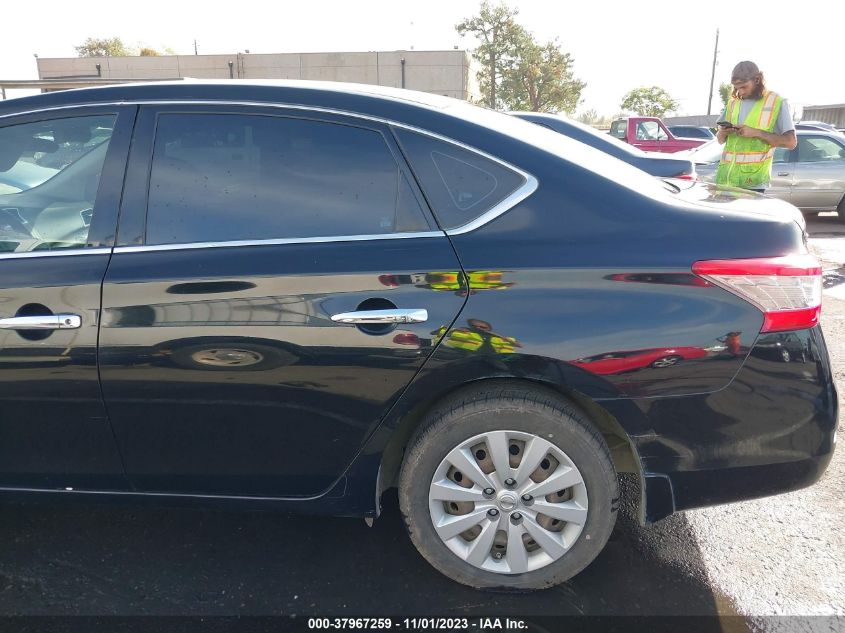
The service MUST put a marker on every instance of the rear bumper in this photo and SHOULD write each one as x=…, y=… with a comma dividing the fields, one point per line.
x=665, y=494
x=772, y=430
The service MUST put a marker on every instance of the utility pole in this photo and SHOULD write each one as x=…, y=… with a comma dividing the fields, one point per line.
x=195, y=48
x=713, y=74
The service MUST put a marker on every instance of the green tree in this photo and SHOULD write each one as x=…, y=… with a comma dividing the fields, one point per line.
x=517, y=72
x=589, y=117
x=541, y=78
x=103, y=47
x=146, y=51
x=725, y=91
x=652, y=101
x=498, y=32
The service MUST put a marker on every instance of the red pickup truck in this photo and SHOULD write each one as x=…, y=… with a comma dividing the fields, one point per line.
x=650, y=135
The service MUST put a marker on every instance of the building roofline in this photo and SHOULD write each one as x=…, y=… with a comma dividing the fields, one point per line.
x=74, y=82
x=233, y=54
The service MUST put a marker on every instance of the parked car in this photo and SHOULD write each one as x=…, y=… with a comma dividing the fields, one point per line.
x=631, y=360
x=296, y=295
x=811, y=177
x=659, y=165
x=784, y=347
x=692, y=131
x=653, y=163
x=650, y=134
x=816, y=125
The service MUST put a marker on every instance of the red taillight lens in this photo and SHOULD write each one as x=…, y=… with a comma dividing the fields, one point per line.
x=788, y=290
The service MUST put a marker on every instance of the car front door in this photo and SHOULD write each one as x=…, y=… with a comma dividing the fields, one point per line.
x=61, y=174
x=651, y=137
x=238, y=350
x=783, y=174
x=819, y=179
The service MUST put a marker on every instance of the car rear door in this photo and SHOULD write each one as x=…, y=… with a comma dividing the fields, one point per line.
x=819, y=172
x=237, y=356
x=61, y=174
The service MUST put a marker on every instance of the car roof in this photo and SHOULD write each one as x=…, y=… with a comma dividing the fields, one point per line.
x=415, y=109
x=260, y=91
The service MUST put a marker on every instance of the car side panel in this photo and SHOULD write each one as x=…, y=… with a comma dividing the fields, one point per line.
x=818, y=185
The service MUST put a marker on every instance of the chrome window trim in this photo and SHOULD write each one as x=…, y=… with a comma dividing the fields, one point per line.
x=275, y=242
x=521, y=193
x=70, y=252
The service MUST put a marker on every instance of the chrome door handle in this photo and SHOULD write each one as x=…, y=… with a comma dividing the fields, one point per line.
x=382, y=316
x=783, y=173
x=47, y=322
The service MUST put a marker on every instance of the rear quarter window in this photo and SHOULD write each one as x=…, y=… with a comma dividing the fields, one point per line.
x=461, y=185
x=619, y=129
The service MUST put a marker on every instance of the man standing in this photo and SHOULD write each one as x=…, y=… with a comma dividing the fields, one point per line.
x=754, y=122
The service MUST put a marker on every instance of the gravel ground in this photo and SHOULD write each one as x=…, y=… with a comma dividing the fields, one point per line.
x=785, y=555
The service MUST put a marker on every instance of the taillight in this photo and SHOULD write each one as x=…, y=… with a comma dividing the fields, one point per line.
x=788, y=290
x=686, y=177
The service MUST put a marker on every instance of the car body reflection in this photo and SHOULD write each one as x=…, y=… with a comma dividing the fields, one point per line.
x=477, y=336
x=451, y=281
x=624, y=361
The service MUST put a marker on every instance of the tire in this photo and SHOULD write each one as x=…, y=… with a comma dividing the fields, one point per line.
x=840, y=210
x=541, y=426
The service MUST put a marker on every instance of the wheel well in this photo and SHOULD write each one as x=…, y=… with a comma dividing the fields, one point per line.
x=624, y=456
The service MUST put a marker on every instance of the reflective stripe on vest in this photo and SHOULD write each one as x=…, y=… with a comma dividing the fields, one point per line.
x=766, y=117
x=747, y=162
x=747, y=157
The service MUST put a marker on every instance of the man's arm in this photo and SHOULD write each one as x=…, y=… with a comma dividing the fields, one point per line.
x=787, y=139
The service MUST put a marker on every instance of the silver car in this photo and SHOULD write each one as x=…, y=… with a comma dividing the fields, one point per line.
x=812, y=176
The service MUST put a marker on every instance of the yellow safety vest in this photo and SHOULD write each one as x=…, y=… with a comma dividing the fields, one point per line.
x=747, y=162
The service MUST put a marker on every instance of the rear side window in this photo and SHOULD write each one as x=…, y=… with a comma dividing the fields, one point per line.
x=49, y=176
x=619, y=129
x=460, y=185
x=229, y=177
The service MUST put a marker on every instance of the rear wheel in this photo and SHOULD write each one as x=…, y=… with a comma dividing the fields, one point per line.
x=508, y=488
x=840, y=210
x=667, y=361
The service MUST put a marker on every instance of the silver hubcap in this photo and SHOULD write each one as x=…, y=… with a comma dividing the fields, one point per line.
x=666, y=362
x=534, y=515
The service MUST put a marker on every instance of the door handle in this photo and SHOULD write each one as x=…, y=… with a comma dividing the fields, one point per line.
x=382, y=316
x=46, y=322
x=783, y=173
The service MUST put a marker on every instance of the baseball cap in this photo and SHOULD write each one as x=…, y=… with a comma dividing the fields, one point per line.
x=744, y=71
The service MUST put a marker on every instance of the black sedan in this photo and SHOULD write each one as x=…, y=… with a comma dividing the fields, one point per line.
x=660, y=165
x=298, y=295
